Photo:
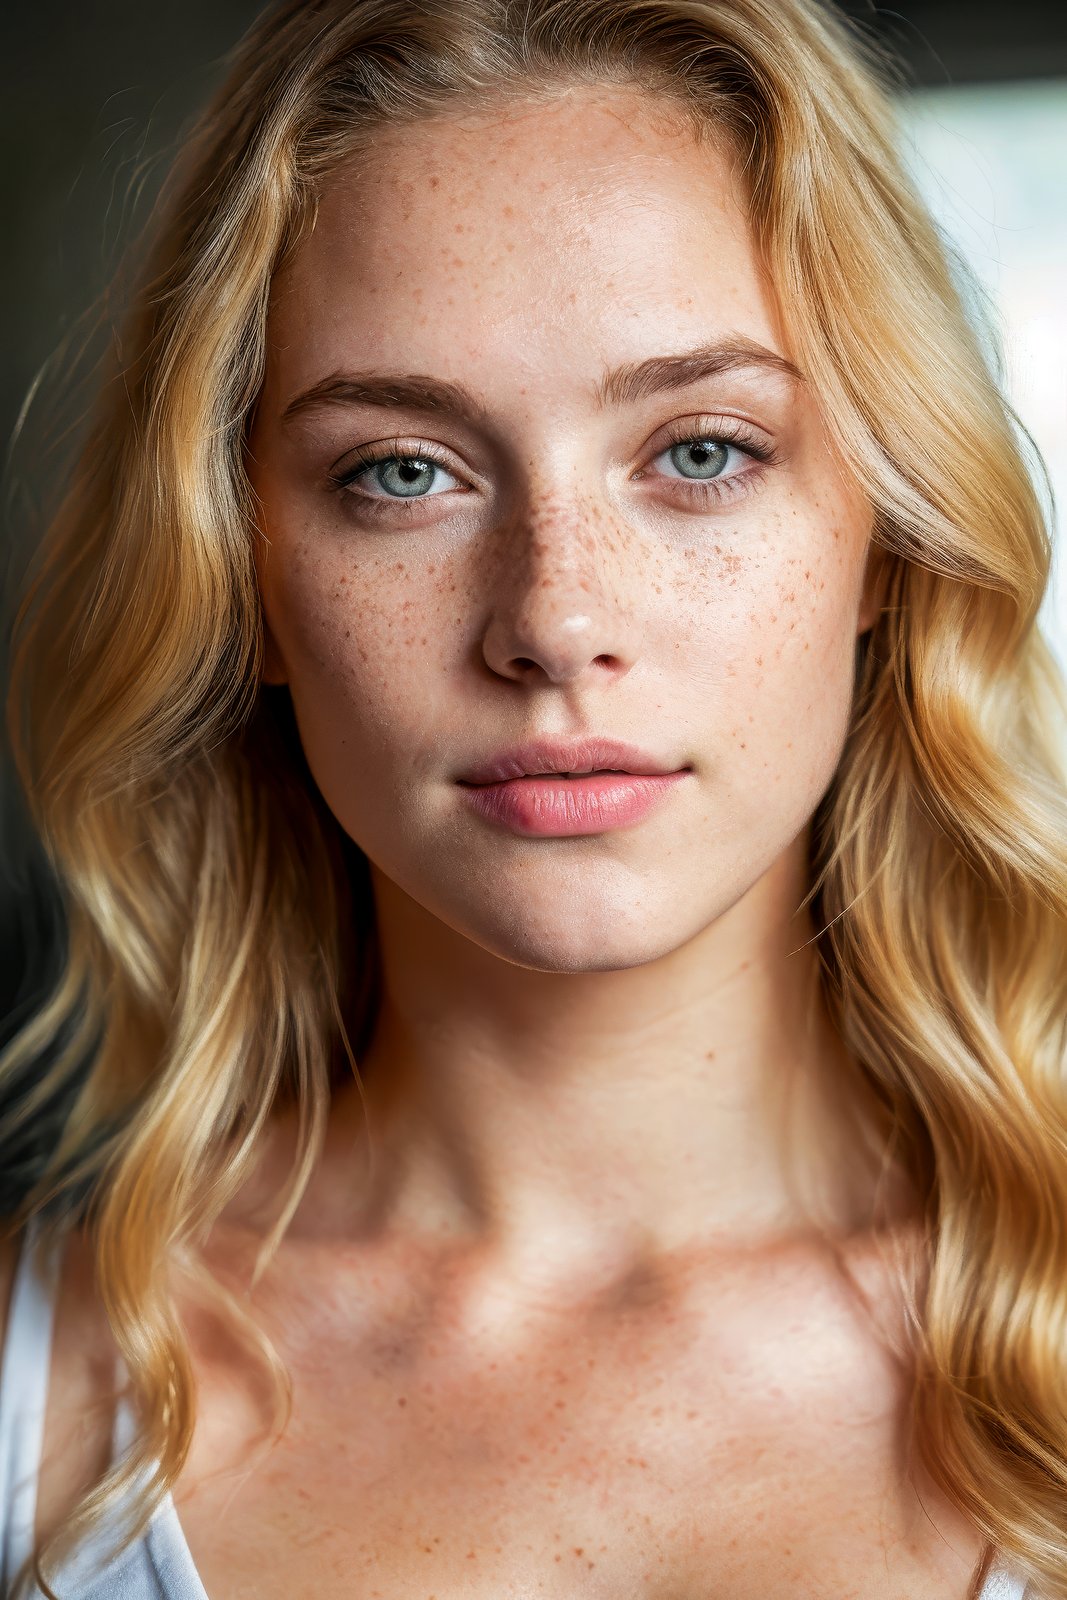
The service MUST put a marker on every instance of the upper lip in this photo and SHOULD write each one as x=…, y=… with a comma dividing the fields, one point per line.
x=590, y=754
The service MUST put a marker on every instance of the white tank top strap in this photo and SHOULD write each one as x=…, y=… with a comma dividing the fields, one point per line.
x=158, y=1565
x=1003, y=1583
x=24, y=1373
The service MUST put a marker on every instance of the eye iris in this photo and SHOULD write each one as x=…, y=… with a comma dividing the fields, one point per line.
x=409, y=476
x=707, y=455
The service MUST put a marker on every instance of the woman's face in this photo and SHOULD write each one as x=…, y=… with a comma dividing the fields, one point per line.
x=601, y=503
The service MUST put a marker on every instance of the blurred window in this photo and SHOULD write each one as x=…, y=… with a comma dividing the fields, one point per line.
x=992, y=162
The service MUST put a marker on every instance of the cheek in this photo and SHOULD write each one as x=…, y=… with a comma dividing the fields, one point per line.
x=366, y=646
x=772, y=654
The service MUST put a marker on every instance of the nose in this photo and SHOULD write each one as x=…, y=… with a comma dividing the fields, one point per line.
x=564, y=594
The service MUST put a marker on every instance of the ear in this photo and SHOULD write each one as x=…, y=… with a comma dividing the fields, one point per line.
x=875, y=584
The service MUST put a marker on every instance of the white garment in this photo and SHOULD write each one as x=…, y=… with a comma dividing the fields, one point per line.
x=158, y=1565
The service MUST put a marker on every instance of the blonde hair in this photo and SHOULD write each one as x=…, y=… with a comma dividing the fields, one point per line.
x=214, y=908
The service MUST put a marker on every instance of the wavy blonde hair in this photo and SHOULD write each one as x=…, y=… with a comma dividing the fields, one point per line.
x=215, y=911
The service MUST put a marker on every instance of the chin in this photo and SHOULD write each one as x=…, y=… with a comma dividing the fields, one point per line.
x=556, y=939
x=550, y=916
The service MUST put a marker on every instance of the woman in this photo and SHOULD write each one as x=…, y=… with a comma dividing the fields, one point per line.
x=535, y=701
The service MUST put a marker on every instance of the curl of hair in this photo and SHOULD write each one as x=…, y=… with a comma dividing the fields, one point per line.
x=215, y=914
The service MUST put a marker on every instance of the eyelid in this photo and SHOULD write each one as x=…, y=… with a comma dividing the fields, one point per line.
x=680, y=428
x=747, y=436
x=383, y=449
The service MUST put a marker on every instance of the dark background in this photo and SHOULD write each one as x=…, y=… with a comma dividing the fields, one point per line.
x=93, y=98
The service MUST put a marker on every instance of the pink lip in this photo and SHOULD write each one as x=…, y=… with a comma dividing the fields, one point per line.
x=613, y=785
x=561, y=807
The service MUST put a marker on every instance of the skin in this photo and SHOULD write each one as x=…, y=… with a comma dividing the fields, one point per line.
x=588, y=1044
x=571, y=1331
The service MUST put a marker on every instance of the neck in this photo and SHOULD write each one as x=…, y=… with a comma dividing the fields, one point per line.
x=570, y=1124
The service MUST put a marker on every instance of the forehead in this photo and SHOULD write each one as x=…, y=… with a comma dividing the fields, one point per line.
x=591, y=228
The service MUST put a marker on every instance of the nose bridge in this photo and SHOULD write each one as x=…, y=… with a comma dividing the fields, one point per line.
x=563, y=588
x=570, y=539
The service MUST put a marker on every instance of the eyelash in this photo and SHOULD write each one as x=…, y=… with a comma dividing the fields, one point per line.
x=705, y=430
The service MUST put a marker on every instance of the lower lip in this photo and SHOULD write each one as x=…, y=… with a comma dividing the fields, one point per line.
x=560, y=807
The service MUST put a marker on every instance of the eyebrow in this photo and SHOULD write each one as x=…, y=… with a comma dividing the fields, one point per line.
x=623, y=385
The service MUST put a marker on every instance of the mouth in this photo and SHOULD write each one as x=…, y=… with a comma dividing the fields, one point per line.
x=559, y=804
x=568, y=760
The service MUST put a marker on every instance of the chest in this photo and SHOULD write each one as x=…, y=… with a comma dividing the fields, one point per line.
x=679, y=1453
